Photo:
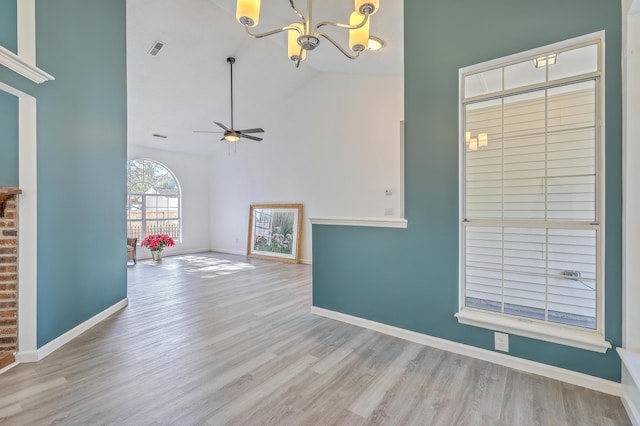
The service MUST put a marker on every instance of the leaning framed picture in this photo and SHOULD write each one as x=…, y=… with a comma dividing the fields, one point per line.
x=274, y=231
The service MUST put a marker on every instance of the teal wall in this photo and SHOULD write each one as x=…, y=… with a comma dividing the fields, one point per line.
x=9, y=24
x=409, y=278
x=81, y=160
x=8, y=139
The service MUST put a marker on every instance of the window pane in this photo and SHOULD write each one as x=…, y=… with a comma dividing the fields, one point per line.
x=575, y=62
x=154, y=200
x=572, y=267
x=547, y=274
x=483, y=83
x=483, y=160
x=523, y=74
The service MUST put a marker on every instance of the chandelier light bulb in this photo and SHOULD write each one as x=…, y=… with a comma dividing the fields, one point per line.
x=248, y=12
x=293, y=47
x=358, y=38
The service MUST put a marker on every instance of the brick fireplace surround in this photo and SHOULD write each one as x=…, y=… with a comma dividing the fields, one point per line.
x=8, y=274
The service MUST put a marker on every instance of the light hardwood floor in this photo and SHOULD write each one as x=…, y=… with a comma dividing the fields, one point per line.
x=219, y=339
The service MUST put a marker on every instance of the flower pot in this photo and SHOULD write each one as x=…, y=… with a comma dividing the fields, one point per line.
x=156, y=255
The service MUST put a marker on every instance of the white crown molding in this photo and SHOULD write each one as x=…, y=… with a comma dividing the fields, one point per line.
x=14, y=63
x=552, y=372
x=374, y=222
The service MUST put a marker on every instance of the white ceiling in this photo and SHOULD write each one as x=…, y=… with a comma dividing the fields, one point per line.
x=186, y=86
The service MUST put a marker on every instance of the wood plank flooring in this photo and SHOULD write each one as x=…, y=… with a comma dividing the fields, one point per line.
x=220, y=339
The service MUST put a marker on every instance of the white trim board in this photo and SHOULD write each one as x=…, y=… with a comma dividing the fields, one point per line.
x=374, y=222
x=14, y=63
x=27, y=219
x=631, y=383
x=62, y=340
x=557, y=373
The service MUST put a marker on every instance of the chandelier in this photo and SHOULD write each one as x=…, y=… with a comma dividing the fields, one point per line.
x=304, y=35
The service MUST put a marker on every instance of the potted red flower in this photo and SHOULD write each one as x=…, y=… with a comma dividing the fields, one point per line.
x=156, y=243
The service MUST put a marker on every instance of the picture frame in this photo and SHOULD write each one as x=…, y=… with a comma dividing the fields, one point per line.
x=275, y=231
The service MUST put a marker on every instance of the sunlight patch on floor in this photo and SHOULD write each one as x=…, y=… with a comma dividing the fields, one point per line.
x=214, y=266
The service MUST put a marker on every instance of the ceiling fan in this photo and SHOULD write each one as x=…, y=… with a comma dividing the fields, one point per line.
x=230, y=134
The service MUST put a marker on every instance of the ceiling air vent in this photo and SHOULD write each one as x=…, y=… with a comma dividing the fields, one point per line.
x=155, y=48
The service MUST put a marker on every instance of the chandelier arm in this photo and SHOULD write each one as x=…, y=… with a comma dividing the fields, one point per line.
x=340, y=48
x=272, y=32
x=345, y=26
x=293, y=6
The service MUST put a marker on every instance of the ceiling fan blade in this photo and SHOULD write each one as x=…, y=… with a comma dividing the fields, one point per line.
x=253, y=138
x=206, y=131
x=223, y=126
x=257, y=130
x=223, y=139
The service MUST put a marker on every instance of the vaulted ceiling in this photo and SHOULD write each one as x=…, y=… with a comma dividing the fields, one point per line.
x=186, y=86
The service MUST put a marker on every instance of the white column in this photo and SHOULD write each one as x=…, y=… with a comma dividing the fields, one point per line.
x=630, y=353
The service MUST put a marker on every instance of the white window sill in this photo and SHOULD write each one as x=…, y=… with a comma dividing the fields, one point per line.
x=563, y=335
x=381, y=222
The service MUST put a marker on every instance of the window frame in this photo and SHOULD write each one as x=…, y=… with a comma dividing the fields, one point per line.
x=581, y=337
x=143, y=220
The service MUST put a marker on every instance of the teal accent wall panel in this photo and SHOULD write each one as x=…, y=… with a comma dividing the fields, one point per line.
x=9, y=24
x=81, y=162
x=409, y=277
x=8, y=140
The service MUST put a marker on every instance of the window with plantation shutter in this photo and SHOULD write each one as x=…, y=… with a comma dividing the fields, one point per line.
x=531, y=194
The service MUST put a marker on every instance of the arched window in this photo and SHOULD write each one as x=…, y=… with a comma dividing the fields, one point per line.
x=153, y=200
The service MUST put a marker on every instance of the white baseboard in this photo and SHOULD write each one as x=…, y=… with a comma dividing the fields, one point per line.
x=9, y=367
x=632, y=410
x=244, y=253
x=238, y=252
x=146, y=255
x=26, y=356
x=60, y=341
x=557, y=373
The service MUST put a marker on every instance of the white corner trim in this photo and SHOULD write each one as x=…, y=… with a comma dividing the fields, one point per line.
x=60, y=341
x=14, y=63
x=631, y=384
x=587, y=340
x=557, y=373
x=375, y=222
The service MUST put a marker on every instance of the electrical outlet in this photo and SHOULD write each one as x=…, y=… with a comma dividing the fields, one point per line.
x=501, y=342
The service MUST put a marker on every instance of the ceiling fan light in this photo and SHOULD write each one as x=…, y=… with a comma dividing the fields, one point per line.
x=364, y=6
x=358, y=38
x=248, y=12
x=293, y=48
x=231, y=137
